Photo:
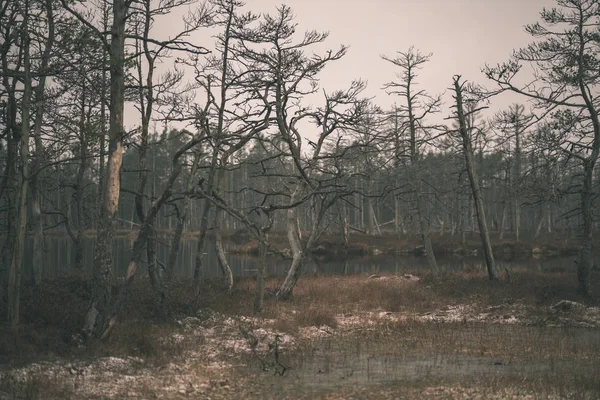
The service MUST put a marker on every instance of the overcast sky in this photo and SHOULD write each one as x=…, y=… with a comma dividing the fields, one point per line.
x=462, y=35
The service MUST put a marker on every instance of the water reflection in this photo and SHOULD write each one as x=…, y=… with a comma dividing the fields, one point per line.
x=60, y=257
x=387, y=358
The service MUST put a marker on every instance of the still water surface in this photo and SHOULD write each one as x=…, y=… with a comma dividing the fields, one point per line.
x=60, y=255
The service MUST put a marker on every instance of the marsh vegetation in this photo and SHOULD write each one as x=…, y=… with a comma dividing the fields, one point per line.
x=199, y=214
x=355, y=336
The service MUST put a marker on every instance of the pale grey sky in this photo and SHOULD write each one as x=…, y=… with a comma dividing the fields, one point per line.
x=462, y=35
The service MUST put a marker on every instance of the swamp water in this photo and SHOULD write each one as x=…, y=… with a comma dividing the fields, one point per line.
x=60, y=255
x=553, y=359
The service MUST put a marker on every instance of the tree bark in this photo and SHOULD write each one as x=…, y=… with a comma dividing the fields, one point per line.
x=474, y=180
x=586, y=261
x=200, y=245
x=79, y=198
x=417, y=181
x=14, y=278
x=9, y=178
x=260, y=273
x=345, y=226
x=100, y=309
x=144, y=234
x=503, y=221
x=223, y=264
x=182, y=218
x=298, y=250
x=516, y=180
x=36, y=208
x=423, y=221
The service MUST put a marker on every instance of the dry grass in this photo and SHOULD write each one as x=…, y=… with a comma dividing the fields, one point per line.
x=323, y=297
x=35, y=388
x=527, y=287
x=52, y=315
x=340, y=295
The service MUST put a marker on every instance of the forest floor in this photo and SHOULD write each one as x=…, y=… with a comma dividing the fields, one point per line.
x=456, y=336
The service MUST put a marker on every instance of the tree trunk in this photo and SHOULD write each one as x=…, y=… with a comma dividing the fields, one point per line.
x=14, y=278
x=298, y=250
x=474, y=180
x=79, y=198
x=549, y=217
x=153, y=272
x=181, y=219
x=423, y=222
x=377, y=229
x=397, y=223
x=79, y=186
x=368, y=212
x=144, y=235
x=223, y=264
x=343, y=214
x=175, y=244
x=586, y=262
x=417, y=181
x=100, y=307
x=200, y=245
x=212, y=176
x=517, y=179
x=538, y=228
x=36, y=207
x=295, y=246
x=503, y=221
x=38, y=233
x=260, y=273
x=9, y=178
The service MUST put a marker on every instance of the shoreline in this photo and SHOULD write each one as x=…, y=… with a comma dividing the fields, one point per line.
x=240, y=242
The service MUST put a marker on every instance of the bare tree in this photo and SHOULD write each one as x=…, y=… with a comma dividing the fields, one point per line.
x=100, y=307
x=513, y=124
x=465, y=133
x=418, y=105
x=11, y=57
x=14, y=278
x=39, y=92
x=285, y=75
x=232, y=115
x=565, y=58
x=154, y=92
